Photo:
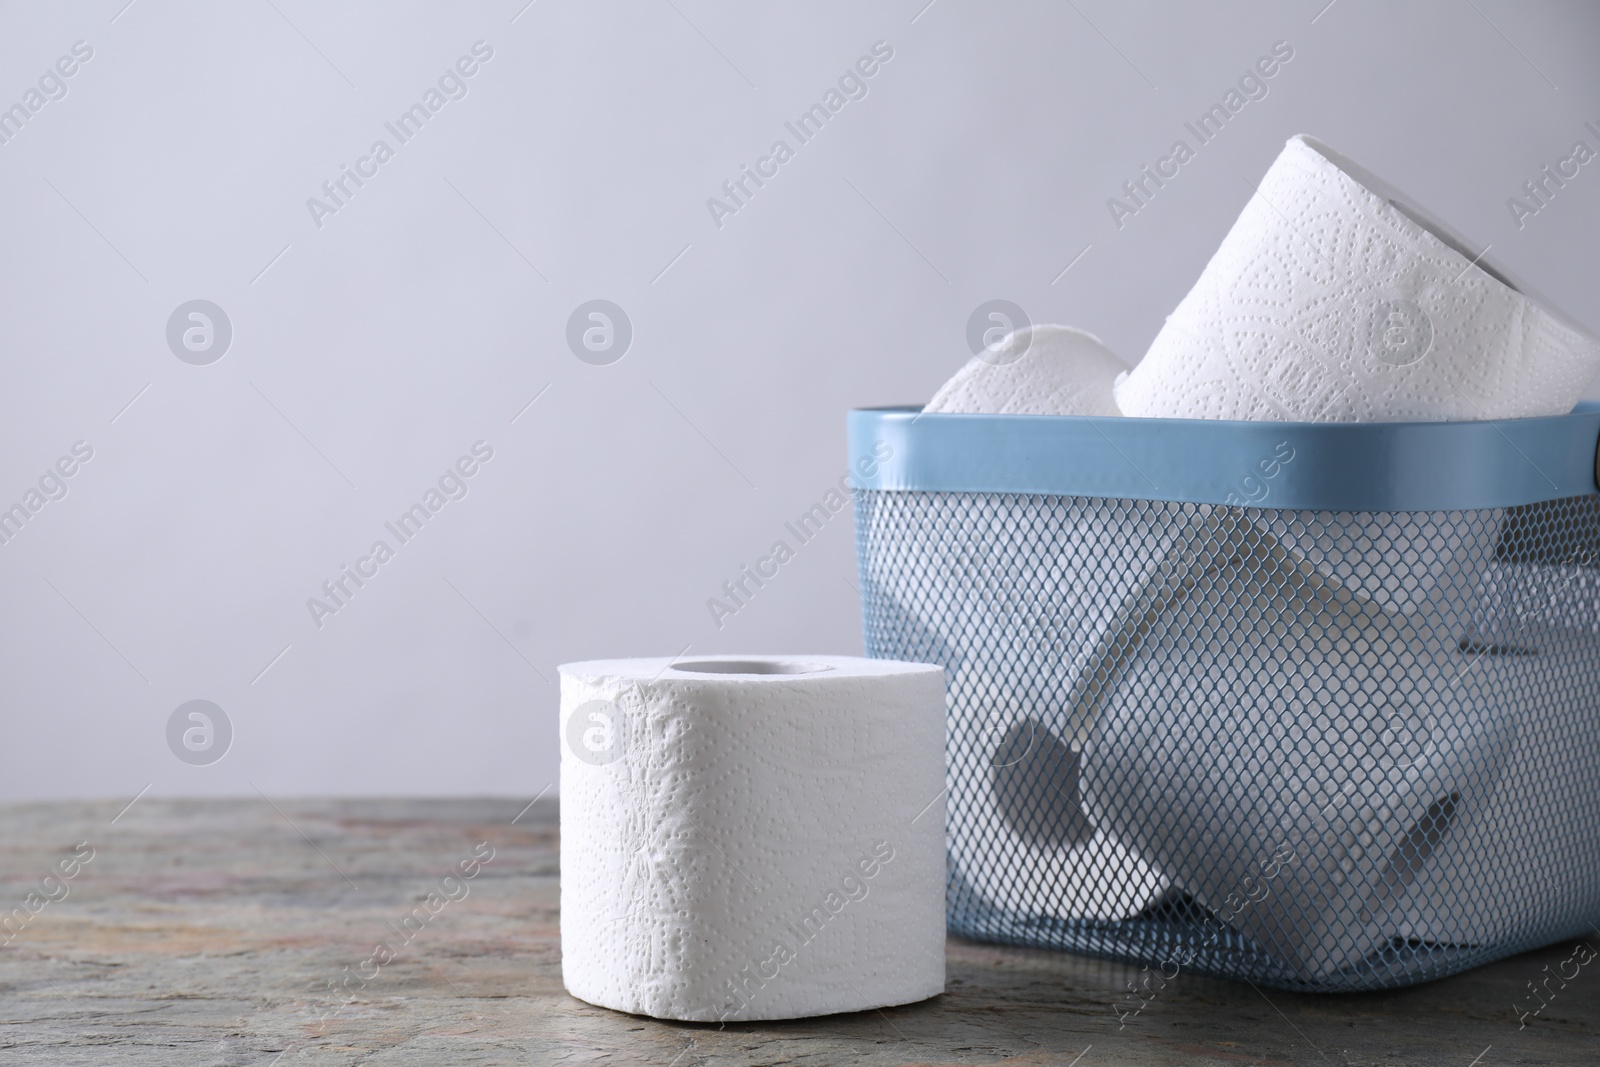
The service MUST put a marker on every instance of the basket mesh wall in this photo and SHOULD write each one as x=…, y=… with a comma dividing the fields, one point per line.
x=1316, y=750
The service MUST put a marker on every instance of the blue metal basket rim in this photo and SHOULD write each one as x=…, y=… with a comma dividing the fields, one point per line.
x=1391, y=466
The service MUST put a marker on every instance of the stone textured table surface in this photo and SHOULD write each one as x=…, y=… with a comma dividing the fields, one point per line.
x=208, y=932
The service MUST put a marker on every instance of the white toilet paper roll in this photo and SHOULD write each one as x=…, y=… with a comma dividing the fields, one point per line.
x=1432, y=573
x=1026, y=625
x=752, y=837
x=1037, y=370
x=1521, y=870
x=1020, y=625
x=1532, y=661
x=1019, y=835
x=1265, y=724
x=1334, y=298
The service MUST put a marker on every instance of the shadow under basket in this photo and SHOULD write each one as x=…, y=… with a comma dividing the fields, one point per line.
x=1312, y=705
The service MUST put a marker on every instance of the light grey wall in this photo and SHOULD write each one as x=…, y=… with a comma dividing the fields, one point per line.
x=370, y=352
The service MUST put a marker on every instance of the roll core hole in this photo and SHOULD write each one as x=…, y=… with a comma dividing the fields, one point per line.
x=749, y=666
x=1035, y=779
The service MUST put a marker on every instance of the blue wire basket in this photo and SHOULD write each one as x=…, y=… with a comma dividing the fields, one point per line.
x=1311, y=705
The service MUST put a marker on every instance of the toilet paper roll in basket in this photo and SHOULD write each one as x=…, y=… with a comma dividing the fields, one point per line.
x=1334, y=298
x=1018, y=644
x=1437, y=573
x=752, y=837
x=1256, y=725
x=1534, y=628
x=1510, y=876
x=1036, y=370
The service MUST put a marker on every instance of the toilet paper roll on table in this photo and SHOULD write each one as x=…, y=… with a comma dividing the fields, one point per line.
x=1334, y=298
x=752, y=837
